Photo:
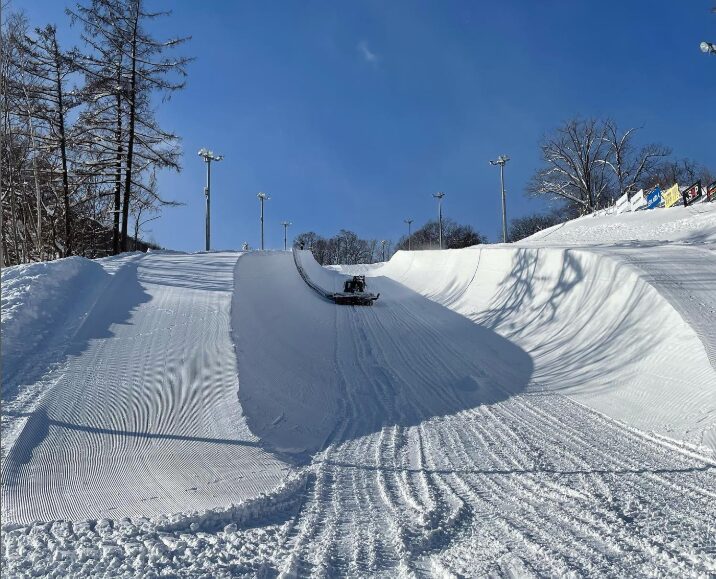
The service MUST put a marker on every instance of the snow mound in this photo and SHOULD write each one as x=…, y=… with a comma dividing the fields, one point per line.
x=211, y=543
x=34, y=297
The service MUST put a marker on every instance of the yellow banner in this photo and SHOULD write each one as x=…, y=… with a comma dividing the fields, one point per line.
x=672, y=195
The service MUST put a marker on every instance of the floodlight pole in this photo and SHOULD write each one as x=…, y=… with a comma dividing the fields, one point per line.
x=409, y=222
x=382, y=247
x=262, y=197
x=286, y=225
x=501, y=160
x=208, y=157
x=439, y=196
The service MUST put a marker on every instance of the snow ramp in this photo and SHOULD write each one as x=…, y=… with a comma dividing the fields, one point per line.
x=595, y=328
x=141, y=417
x=313, y=373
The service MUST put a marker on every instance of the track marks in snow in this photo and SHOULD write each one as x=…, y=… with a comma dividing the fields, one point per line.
x=518, y=484
x=536, y=484
x=145, y=418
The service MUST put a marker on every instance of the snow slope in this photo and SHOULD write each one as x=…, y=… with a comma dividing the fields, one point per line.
x=694, y=224
x=595, y=329
x=525, y=410
x=142, y=417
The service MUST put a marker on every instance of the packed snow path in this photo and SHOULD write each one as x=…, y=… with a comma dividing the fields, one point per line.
x=439, y=460
x=143, y=417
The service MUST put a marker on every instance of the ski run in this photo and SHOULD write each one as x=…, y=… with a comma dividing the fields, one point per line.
x=545, y=408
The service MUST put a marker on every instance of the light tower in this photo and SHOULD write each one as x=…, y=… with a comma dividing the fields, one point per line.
x=501, y=160
x=409, y=222
x=208, y=157
x=286, y=225
x=439, y=196
x=382, y=247
x=261, y=196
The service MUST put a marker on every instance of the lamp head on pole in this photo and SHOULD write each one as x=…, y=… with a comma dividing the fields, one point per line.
x=708, y=47
x=501, y=160
x=439, y=195
x=286, y=223
x=208, y=155
x=263, y=196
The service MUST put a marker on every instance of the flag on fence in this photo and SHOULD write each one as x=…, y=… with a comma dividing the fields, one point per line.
x=653, y=199
x=637, y=202
x=692, y=194
x=711, y=192
x=623, y=204
x=672, y=195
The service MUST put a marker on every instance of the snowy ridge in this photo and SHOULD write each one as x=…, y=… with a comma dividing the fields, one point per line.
x=323, y=281
x=595, y=328
x=142, y=416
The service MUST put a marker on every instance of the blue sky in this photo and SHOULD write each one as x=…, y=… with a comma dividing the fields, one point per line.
x=351, y=114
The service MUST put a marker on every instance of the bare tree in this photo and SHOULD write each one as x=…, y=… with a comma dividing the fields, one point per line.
x=522, y=227
x=629, y=165
x=127, y=68
x=574, y=170
x=49, y=69
x=455, y=236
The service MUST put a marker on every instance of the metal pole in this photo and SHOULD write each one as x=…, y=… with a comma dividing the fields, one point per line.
x=207, y=193
x=501, y=160
x=286, y=225
x=261, y=196
x=440, y=221
x=504, y=203
x=409, y=222
x=208, y=157
x=439, y=196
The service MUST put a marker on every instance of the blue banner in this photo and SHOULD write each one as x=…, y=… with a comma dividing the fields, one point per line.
x=653, y=199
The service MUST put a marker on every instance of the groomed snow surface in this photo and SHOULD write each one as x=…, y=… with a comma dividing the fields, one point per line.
x=545, y=408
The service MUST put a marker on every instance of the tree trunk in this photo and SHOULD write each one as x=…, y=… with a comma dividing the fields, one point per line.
x=63, y=150
x=130, y=130
x=118, y=173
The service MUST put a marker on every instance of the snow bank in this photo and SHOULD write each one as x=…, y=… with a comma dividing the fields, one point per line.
x=329, y=281
x=34, y=299
x=693, y=224
x=594, y=328
x=242, y=539
x=142, y=417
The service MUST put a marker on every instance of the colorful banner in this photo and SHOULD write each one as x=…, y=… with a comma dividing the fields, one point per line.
x=638, y=201
x=653, y=199
x=692, y=194
x=672, y=195
x=622, y=204
x=711, y=191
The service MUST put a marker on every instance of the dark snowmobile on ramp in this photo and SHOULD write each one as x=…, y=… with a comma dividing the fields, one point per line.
x=354, y=293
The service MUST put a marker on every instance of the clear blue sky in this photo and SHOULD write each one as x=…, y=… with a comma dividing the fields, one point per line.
x=350, y=114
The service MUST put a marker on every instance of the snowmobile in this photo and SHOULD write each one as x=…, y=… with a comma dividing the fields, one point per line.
x=354, y=293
